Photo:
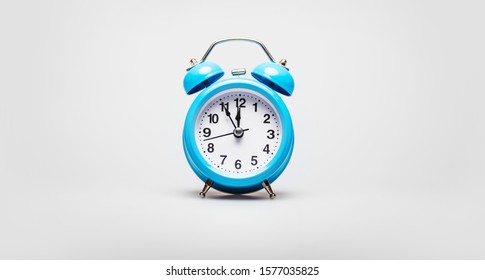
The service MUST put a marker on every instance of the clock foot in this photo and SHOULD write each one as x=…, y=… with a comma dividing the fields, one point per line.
x=268, y=188
x=207, y=186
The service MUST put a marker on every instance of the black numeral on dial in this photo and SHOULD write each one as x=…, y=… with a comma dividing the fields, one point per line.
x=240, y=102
x=270, y=134
x=254, y=160
x=223, y=159
x=266, y=118
x=266, y=148
x=213, y=118
x=237, y=164
x=207, y=132
x=224, y=106
x=210, y=147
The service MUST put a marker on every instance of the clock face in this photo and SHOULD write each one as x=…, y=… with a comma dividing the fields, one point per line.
x=238, y=132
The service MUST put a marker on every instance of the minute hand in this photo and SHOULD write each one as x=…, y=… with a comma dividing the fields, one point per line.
x=229, y=114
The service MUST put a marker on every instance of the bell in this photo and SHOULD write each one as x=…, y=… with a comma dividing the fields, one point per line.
x=275, y=76
x=201, y=76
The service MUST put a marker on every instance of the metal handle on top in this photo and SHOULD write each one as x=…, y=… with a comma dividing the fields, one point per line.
x=237, y=39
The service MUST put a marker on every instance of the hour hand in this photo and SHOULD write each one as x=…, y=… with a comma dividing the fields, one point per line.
x=238, y=117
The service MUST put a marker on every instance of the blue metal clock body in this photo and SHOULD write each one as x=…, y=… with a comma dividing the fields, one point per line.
x=269, y=80
x=205, y=170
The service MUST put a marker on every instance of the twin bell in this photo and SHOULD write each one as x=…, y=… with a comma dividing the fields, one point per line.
x=274, y=75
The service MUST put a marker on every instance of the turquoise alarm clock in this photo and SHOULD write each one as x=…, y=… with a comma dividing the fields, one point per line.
x=238, y=134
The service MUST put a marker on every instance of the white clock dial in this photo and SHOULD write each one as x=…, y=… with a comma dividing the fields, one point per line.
x=238, y=132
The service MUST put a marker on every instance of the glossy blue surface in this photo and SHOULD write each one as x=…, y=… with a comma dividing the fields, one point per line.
x=275, y=76
x=201, y=76
x=238, y=185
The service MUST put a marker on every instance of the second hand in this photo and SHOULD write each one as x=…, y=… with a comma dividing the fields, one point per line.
x=227, y=134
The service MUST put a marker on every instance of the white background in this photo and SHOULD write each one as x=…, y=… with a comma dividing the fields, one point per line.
x=389, y=155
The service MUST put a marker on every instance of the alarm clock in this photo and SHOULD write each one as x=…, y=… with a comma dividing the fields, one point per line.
x=238, y=134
